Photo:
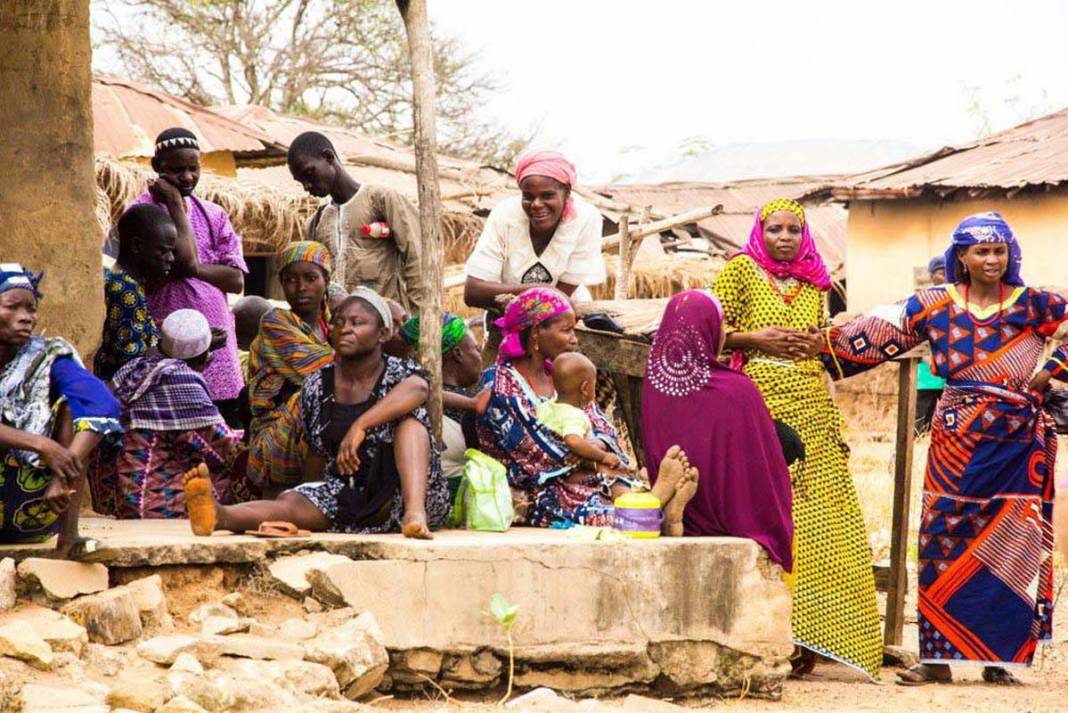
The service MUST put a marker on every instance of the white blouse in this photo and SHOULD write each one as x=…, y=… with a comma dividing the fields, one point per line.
x=504, y=252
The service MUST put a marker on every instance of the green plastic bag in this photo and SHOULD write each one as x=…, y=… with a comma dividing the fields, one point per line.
x=483, y=500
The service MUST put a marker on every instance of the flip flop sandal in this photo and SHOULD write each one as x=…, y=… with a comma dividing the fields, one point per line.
x=921, y=679
x=1001, y=677
x=278, y=528
x=83, y=549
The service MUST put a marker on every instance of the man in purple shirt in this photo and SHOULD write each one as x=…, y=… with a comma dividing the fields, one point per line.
x=208, y=261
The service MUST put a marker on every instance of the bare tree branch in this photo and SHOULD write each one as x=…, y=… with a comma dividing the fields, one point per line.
x=345, y=61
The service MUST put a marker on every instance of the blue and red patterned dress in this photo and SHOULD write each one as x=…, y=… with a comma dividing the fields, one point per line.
x=986, y=534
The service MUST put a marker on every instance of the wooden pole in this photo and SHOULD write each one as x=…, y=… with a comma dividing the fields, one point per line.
x=417, y=26
x=899, y=528
x=611, y=242
x=623, y=271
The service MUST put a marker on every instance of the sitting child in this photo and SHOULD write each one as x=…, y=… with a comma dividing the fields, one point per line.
x=575, y=379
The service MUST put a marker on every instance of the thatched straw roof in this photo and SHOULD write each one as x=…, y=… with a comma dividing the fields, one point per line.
x=466, y=186
x=266, y=217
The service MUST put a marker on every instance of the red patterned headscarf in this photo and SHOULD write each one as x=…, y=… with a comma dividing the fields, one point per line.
x=530, y=307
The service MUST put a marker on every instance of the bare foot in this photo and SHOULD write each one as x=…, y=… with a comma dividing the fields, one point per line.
x=672, y=470
x=75, y=547
x=199, y=500
x=685, y=491
x=414, y=525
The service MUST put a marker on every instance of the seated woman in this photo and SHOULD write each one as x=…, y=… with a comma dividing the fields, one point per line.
x=719, y=418
x=538, y=326
x=53, y=414
x=292, y=344
x=545, y=236
x=461, y=367
x=171, y=425
x=374, y=466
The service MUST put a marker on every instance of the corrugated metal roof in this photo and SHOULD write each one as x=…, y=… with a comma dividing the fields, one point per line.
x=740, y=199
x=128, y=116
x=465, y=184
x=1031, y=154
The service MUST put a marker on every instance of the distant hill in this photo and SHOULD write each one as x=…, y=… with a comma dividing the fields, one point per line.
x=735, y=162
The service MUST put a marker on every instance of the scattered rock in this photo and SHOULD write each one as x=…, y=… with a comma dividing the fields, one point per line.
x=61, y=579
x=535, y=697
x=414, y=666
x=60, y=632
x=222, y=625
x=257, y=628
x=257, y=647
x=111, y=617
x=151, y=602
x=237, y=602
x=105, y=661
x=290, y=573
x=334, y=617
x=180, y=704
x=312, y=605
x=246, y=686
x=475, y=670
x=139, y=691
x=199, y=689
x=165, y=650
x=201, y=613
x=35, y=698
x=641, y=704
x=298, y=629
x=19, y=640
x=187, y=663
x=7, y=584
x=897, y=656
x=355, y=652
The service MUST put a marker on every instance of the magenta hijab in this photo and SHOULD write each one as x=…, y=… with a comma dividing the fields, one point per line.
x=718, y=417
x=530, y=307
x=806, y=266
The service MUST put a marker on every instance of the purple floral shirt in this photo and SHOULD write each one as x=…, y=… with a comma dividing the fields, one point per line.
x=217, y=244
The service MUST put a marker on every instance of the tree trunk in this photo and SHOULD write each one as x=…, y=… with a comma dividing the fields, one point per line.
x=417, y=25
x=48, y=199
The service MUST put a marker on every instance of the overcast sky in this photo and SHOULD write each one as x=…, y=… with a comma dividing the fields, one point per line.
x=601, y=77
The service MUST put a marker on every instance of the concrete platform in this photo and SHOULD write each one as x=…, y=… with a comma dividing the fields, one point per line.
x=673, y=614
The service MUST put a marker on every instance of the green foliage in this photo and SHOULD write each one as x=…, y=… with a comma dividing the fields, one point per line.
x=502, y=611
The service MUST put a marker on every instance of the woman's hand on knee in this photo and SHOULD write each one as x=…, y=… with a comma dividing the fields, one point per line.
x=348, y=453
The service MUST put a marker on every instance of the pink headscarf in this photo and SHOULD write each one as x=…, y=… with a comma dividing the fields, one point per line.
x=552, y=165
x=807, y=265
x=530, y=307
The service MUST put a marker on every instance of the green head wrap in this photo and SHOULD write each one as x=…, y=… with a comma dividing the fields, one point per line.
x=453, y=329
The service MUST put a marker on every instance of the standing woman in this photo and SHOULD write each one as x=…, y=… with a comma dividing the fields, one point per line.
x=986, y=536
x=545, y=236
x=208, y=261
x=291, y=345
x=53, y=414
x=773, y=297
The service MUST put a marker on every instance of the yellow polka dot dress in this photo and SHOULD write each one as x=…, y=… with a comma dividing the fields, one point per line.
x=834, y=608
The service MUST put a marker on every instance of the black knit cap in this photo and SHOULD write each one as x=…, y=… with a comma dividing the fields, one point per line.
x=176, y=138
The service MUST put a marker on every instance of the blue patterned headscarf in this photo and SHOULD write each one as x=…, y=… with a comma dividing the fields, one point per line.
x=987, y=227
x=14, y=276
